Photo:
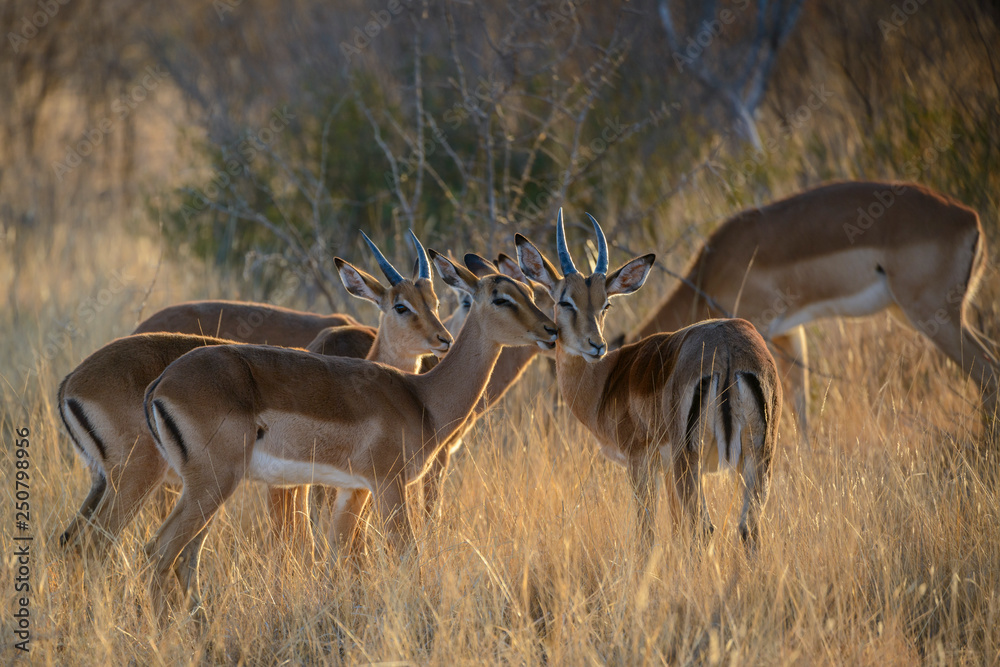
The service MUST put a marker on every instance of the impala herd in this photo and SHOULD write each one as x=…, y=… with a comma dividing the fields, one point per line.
x=211, y=393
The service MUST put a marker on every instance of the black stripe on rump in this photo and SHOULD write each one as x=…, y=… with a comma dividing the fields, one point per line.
x=172, y=427
x=758, y=394
x=694, y=414
x=81, y=416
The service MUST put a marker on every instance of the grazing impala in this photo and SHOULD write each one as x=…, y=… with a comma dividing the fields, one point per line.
x=843, y=250
x=668, y=394
x=101, y=401
x=284, y=417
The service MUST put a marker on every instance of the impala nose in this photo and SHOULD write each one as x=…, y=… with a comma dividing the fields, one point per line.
x=552, y=331
x=599, y=349
x=440, y=350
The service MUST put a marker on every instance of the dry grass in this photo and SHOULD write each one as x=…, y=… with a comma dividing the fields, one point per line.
x=880, y=542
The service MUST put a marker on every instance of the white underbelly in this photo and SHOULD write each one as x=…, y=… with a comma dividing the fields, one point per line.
x=872, y=299
x=284, y=472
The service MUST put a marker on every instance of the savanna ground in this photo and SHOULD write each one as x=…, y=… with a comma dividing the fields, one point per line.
x=880, y=541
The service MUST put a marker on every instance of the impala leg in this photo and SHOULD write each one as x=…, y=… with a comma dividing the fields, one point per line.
x=687, y=483
x=964, y=348
x=289, y=510
x=98, y=484
x=349, y=505
x=433, y=481
x=792, y=358
x=190, y=517
x=939, y=316
x=390, y=505
x=644, y=489
x=756, y=479
x=129, y=485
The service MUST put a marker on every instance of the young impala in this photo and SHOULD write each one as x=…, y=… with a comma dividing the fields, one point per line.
x=284, y=417
x=668, y=394
x=843, y=250
x=101, y=400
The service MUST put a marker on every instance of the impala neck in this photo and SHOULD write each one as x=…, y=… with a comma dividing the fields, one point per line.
x=582, y=384
x=383, y=352
x=509, y=367
x=451, y=390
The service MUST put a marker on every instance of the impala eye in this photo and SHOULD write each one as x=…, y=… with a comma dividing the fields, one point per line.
x=503, y=301
x=567, y=305
x=401, y=309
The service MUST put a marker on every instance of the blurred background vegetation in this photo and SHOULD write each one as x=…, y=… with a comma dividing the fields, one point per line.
x=157, y=152
x=259, y=136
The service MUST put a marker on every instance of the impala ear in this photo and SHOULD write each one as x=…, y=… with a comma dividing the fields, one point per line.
x=533, y=264
x=630, y=277
x=359, y=283
x=508, y=267
x=452, y=274
x=480, y=265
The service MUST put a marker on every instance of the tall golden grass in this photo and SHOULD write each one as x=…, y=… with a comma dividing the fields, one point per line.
x=880, y=541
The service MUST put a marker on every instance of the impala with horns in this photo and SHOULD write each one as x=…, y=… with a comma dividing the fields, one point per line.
x=108, y=426
x=668, y=395
x=508, y=369
x=843, y=250
x=233, y=412
x=409, y=328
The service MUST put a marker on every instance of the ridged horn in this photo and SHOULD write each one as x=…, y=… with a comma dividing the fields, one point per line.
x=564, y=259
x=602, y=248
x=425, y=265
x=391, y=274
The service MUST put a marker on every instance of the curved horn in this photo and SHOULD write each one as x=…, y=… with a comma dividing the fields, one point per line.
x=564, y=259
x=425, y=265
x=602, y=248
x=391, y=274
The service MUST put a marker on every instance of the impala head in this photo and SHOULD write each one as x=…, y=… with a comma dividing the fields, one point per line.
x=505, y=306
x=581, y=302
x=409, y=306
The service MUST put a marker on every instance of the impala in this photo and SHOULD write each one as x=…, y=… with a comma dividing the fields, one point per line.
x=843, y=250
x=666, y=394
x=101, y=400
x=243, y=322
x=409, y=329
x=508, y=369
x=232, y=412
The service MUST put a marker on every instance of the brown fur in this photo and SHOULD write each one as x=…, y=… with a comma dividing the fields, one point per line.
x=243, y=322
x=664, y=397
x=767, y=264
x=365, y=419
